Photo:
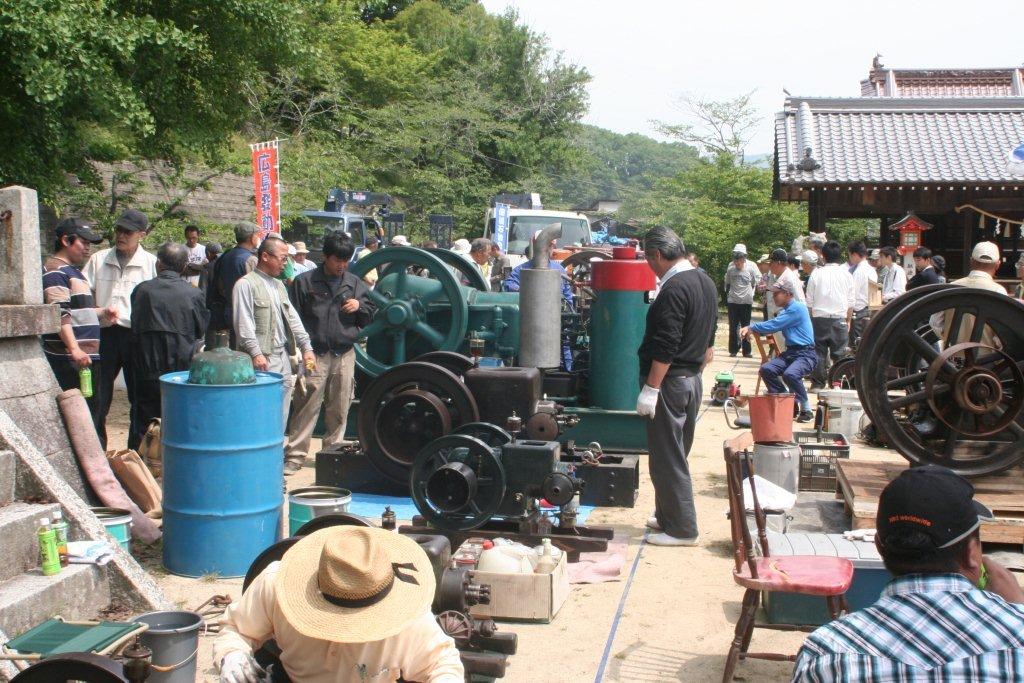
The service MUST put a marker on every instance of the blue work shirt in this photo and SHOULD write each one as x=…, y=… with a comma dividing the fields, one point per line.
x=511, y=283
x=793, y=321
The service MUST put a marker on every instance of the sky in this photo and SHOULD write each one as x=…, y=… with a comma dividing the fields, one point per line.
x=644, y=54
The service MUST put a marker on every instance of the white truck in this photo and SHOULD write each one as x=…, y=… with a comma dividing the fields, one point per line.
x=527, y=216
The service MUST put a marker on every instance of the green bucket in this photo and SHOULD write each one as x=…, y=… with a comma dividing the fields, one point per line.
x=118, y=523
x=315, y=501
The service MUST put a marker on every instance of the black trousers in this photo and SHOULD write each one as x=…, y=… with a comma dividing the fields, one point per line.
x=146, y=407
x=67, y=378
x=115, y=356
x=739, y=316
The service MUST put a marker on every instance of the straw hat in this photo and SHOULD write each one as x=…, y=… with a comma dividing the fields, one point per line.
x=300, y=248
x=354, y=584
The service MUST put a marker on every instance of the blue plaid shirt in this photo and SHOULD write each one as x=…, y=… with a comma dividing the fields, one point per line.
x=935, y=627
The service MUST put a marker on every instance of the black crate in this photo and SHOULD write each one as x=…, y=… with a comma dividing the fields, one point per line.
x=818, y=454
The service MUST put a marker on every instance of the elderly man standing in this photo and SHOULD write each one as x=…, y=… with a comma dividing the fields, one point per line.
x=113, y=275
x=480, y=254
x=333, y=305
x=301, y=258
x=741, y=277
x=863, y=274
x=228, y=270
x=169, y=319
x=197, y=261
x=677, y=345
x=266, y=324
x=830, y=297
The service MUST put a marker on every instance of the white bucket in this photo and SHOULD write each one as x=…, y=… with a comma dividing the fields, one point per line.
x=844, y=411
x=779, y=463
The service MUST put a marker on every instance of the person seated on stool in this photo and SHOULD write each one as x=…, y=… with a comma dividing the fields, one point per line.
x=799, y=358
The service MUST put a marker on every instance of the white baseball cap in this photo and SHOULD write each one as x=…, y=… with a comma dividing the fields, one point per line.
x=809, y=256
x=400, y=241
x=740, y=249
x=461, y=246
x=985, y=252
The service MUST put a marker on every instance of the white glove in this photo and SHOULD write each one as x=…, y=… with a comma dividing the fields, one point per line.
x=647, y=401
x=240, y=667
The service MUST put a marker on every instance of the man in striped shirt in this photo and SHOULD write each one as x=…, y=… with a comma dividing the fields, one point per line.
x=77, y=344
x=950, y=614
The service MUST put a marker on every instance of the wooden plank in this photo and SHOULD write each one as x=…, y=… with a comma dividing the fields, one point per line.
x=861, y=483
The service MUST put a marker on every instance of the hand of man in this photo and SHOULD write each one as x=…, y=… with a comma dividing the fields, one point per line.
x=80, y=359
x=647, y=402
x=744, y=331
x=350, y=306
x=309, y=360
x=240, y=667
x=110, y=312
x=709, y=356
x=260, y=363
x=1001, y=581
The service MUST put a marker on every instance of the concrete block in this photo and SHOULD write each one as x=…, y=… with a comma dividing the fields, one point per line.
x=8, y=471
x=20, y=280
x=18, y=529
x=129, y=583
x=29, y=321
x=7, y=669
x=79, y=592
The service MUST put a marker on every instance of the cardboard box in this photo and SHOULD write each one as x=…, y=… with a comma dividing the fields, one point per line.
x=524, y=597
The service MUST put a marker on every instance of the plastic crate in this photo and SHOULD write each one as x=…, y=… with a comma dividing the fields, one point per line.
x=818, y=453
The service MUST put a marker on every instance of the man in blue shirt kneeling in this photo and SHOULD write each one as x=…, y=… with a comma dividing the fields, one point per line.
x=799, y=359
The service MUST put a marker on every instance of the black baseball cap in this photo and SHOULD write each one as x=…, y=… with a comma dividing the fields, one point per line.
x=132, y=220
x=779, y=256
x=932, y=500
x=77, y=227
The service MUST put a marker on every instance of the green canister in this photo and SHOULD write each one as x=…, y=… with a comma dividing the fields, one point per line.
x=49, y=560
x=85, y=382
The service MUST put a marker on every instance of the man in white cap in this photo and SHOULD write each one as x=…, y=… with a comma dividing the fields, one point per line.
x=400, y=241
x=344, y=604
x=741, y=277
x=461, y=247
x=302, y=263
x=985, y=262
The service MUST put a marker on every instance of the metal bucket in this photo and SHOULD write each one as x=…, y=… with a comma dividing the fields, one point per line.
x=779, y=463
x=223, y=473
x=118, y=523
x=844, y=411
x=771, y=418
x=174, y=639
x=315, y=501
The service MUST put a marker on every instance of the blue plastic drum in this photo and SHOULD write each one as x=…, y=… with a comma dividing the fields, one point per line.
x=223, y=450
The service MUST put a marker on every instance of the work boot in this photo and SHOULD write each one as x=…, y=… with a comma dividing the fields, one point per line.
x=666, y=540
x=805, y=416
x=291, y=467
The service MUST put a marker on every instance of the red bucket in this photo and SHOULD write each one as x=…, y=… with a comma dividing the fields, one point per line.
x=771, y=417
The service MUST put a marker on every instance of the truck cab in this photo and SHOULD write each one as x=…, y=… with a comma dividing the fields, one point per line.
x=527, y=216
x=356, y=212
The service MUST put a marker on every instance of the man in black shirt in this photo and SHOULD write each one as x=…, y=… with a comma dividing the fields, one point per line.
x=926, y=273
x=334, y=305
x=677, y=345
x=169, y=319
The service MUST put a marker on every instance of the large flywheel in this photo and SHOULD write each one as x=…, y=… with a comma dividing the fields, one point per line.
x=940, y=375
x=400, y=328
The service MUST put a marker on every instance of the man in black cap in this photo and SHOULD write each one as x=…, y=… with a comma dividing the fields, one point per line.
x=113, y=275
x=77, y=345
x=950, y=613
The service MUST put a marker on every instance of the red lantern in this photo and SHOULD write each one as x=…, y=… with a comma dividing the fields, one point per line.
x=910, y=228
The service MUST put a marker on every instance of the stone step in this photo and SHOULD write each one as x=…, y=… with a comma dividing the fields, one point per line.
x=7, y=474
x=79, y=592
x=18, y=525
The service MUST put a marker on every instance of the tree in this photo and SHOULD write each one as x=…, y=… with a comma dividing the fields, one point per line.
x=721, y=128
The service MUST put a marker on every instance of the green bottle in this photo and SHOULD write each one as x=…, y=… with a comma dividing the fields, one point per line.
x=60, y=530
x=85, y=382
x=49, y=560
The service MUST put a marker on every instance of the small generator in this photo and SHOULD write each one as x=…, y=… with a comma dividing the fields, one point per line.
x=725, y=388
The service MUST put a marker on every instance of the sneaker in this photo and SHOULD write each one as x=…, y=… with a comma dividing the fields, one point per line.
x=652, y=524
x=805, y=416
x=291, y=467
x=748, y=355
x=666, y=540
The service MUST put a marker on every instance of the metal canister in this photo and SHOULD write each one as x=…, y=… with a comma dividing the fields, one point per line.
x=618, y=317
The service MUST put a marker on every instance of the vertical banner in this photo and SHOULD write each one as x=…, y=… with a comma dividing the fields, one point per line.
x=266, y=186
x=500, y=234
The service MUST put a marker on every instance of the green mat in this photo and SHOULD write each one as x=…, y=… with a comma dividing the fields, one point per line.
x=54, y=636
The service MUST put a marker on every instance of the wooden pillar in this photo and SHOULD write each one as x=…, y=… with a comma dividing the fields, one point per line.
x=968, y=239
x=816, y=210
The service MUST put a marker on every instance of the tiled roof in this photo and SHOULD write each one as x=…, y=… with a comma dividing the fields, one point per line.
x=883, y=82
x=897, y=140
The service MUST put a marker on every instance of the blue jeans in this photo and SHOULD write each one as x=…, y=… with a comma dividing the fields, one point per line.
x=789, y=370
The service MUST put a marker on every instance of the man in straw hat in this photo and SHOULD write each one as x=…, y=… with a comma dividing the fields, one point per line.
x=344, y=604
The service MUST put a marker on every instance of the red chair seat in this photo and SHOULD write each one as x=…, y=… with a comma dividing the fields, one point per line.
x=807, y=574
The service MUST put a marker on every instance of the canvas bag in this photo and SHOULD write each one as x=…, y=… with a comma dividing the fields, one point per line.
x=137, y=481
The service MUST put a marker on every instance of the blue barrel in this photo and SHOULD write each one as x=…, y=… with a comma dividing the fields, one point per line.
x=223, y=448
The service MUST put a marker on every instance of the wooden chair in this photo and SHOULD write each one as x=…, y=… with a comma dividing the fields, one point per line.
x=768, y=348
x=828, y=577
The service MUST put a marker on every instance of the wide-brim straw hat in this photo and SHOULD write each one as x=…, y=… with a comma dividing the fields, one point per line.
x=354, y=584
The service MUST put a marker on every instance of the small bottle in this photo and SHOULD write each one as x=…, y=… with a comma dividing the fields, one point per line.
x=60, y=530
x=387, y=519
x=85, y=382
x=547, y=563
x=49, y=560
